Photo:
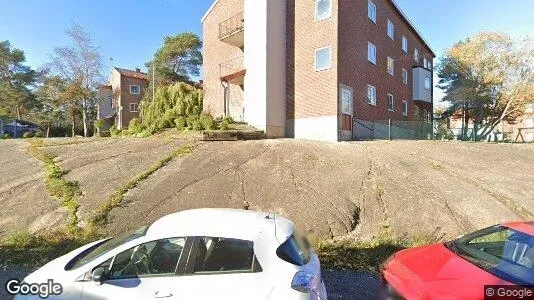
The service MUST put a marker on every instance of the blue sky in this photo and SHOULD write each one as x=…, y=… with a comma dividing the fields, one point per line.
x=131, y=33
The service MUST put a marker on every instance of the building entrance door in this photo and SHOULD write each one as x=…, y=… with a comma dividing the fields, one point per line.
x=346, y=112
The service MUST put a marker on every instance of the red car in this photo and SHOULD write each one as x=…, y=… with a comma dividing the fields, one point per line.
x=460, y=269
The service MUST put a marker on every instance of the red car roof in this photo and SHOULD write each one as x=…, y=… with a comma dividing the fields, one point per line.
x=522, y=226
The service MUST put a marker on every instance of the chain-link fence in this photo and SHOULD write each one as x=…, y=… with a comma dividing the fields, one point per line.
x=392, y=130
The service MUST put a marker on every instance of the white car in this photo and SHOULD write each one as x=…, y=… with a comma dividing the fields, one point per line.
x=194, y=254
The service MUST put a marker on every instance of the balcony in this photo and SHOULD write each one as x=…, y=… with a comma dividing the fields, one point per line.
x=232, y=30
x=422, y=85
x=233, y=71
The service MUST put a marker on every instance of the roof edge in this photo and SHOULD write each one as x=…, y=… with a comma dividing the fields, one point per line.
x=209, y=11
x=397, y=7
x=401, y=12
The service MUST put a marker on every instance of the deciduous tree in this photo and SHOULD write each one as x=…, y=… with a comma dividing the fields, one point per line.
x=488, y=78
x=80, y=65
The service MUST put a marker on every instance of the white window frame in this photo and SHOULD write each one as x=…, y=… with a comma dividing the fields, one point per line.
x=371, y=59
x=371, y=98
x=329, y=58
x=428, y=83
x=404, y=76
x=135, y=93
x=391, y=100
x=391, y=30
x=404, y=44
x=392, y=71
x=371, y=11
x=327, y=16
x=425, y=62
x=405, y=108
x=416, y=55
x=134, y=107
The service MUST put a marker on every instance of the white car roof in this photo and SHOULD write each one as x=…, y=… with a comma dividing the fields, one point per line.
x=221, y=222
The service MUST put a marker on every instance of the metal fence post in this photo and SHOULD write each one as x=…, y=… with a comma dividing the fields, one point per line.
x=389, y=129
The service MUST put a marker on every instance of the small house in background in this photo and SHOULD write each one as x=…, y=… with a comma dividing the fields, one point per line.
x=119, y=101
x=521, y=131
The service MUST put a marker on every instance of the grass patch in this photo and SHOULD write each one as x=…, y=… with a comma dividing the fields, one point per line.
x=30, y=251
x=56, y=184
x=101, y=217
x=366, y=256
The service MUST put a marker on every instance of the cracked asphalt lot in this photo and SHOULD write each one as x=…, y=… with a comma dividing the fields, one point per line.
x=333, y=189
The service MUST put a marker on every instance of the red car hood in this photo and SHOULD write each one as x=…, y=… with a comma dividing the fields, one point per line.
x=435, y=272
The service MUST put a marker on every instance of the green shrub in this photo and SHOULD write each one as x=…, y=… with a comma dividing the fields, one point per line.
x=191, y=120
x=114, y=131
x=27, y=135
x=7, y=136
x=135, y=126
x=224, y=125
x=207, y=121
x=180, y=123
x=229, y=119
x=143, y=134
x=197, y=125
x=179, y=99
x=39, y=134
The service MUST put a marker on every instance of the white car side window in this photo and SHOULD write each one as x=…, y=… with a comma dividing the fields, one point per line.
x=152, y=258
x=216, y=255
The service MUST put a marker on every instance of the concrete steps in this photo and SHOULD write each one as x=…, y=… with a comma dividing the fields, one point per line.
x=232, y=135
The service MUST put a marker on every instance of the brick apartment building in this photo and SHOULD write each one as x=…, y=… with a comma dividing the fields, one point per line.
x=315, y=69
x=119, y=100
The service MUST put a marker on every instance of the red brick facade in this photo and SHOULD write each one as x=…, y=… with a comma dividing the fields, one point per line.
x=216, y=53
x=355, y=31
x=312, y=95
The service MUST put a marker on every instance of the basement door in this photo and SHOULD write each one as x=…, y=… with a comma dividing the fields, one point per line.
x=346, y=96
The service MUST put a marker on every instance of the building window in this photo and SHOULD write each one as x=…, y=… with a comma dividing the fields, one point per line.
x=416, y=55
x=391, y=30
x=371, y=52
x=135, y=89
x=323, y=58
x=323, y=9
x=425, y=63
x=371, y=95
x=391, y=66
x=391, y=102
x=404, y=44
x=404, y=76
x=427, y=83
x=371, y=11
x=405, y=108
x=134, y=107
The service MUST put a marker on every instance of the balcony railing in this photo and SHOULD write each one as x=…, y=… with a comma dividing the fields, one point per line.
x=232, y=25
x=232, y=71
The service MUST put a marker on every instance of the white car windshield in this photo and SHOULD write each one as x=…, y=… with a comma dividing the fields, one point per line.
x=103, y=248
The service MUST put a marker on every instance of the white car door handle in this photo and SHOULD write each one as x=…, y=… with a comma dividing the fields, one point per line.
x=160, y=295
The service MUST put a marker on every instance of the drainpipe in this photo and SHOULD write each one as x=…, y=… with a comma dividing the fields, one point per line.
x=226, y=108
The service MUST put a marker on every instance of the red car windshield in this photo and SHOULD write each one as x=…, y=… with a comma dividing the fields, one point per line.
x=501, y=251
